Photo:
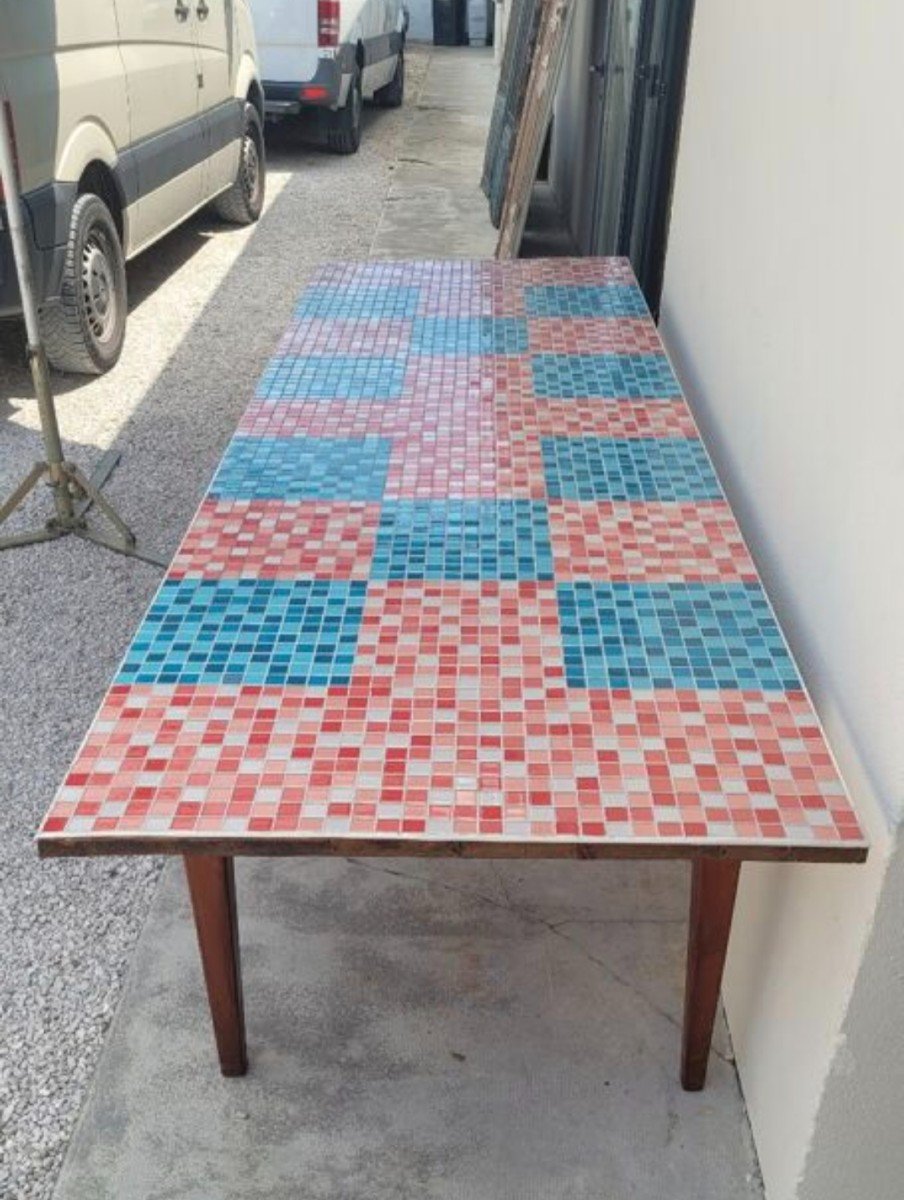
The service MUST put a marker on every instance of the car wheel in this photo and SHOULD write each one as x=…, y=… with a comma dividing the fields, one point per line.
x=344, y=131
x=393, y=94
x=83, y=331
x=243, y=202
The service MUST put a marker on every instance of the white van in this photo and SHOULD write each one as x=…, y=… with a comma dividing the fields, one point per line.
x=127, y=116
x=331, y=55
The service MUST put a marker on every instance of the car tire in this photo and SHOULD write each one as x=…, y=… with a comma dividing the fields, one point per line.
x=343, y=135
x=84, y=329
x=243, y=203
x=393, y=94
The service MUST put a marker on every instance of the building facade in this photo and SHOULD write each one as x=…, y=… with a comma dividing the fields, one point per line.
x=780, y=298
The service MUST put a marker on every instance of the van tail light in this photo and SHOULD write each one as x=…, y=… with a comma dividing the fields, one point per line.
x=328, y=22
x=6, y=114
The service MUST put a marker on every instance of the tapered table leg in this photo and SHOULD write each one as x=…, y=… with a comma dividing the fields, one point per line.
x=713, y=890
x=211, y=883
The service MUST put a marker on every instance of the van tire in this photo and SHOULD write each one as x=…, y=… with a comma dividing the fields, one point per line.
x=243, y=202
x=393, y=94
x=84, y=329
x=343, y=135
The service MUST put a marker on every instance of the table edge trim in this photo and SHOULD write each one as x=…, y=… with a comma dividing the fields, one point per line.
x=51, y=846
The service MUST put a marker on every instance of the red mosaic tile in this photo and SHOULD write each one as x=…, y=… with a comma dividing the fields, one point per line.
x=448, y=738
x=371, y=339
x=519, y=410
x=274, y=539
x=339, y=418
x=581, y=272
x=592, y=335
x=455, y=718
x=693, y=543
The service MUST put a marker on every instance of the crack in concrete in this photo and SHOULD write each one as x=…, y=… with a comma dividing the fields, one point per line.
x=367, y=866
x=503, y=886
x=390, y=196
x=618, y=921
x=553, y=927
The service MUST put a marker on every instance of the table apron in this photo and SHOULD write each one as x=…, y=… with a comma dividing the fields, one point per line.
x=291, y=847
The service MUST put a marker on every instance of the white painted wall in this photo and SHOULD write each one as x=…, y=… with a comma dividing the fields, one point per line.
x=784, y=308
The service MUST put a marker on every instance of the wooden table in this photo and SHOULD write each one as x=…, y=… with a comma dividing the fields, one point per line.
x=465, y=584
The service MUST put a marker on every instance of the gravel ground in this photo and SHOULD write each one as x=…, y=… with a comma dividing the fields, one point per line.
x=207, y=306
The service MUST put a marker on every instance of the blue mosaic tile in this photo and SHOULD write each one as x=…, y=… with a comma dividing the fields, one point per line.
x=565, y=300
x=465, y=336
x=593, y=468
x=248, y=631
x=620, y=635
x=573, y=376
x=463, y=539
x=303, y=468
x=329, y=377
x=359, y=303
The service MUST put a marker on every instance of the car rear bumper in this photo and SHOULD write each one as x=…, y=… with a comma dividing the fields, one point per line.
x=326, y=88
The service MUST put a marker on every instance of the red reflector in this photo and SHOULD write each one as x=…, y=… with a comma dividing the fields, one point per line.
x=328, y=22
x=313, y=92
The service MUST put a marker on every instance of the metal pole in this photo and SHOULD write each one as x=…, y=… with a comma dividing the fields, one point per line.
x=37, y=359
x=68, y=483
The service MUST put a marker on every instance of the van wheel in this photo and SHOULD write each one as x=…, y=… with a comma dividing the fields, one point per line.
x=83, y=331
x=343, y=135
x=243, y=202
x=393, y=94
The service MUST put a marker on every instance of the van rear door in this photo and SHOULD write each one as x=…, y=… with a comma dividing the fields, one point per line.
x=286, y=39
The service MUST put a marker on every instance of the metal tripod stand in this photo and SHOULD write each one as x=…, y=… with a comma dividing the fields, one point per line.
x=73, y=493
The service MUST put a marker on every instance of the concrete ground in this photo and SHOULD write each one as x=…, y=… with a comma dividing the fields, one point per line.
x=422, y=1030
x=435, y=207
x=416, y=1029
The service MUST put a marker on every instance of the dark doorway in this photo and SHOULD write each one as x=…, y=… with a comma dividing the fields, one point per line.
x=450, y=22
x=638, y=65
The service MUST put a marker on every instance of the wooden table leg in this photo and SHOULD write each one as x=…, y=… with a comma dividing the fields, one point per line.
x=211, y=883
x=713, y=890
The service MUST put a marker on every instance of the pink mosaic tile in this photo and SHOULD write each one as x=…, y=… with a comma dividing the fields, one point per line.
x=272, y=539
x=465, y=574
x=593, y=335
x=519, y=409
x=321, y=336
x=439, y=754
x=696, y=543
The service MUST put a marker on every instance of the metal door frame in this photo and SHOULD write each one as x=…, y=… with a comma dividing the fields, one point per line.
x=672, y=73
x=596, y=109
x=656, y=200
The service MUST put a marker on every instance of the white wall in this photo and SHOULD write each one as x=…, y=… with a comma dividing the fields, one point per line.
x=866, y=1073
x=784, y=308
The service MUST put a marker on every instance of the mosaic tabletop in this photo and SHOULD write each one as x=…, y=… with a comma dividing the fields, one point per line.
x=465, y=575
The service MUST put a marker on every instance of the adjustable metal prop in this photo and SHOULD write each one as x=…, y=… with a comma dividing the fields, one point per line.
x=74, y=493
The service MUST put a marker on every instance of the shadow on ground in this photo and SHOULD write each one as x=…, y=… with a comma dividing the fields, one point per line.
x=419, y=1030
